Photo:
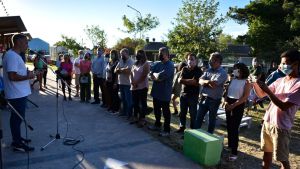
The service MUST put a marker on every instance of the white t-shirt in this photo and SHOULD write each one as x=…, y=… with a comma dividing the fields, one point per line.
x=77, y=69
x=12, y=62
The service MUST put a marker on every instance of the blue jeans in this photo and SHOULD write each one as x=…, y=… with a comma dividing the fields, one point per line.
x=15, y=121
x=208, y=104
x=188, y=103
x=126, y=100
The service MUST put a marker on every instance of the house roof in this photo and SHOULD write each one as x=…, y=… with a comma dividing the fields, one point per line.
x=153, y=46
x=11, y=24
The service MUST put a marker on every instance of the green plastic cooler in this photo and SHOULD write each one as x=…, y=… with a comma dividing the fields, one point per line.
x=202, y=147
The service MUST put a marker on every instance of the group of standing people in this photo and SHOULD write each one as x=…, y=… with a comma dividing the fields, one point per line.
x=131, y=78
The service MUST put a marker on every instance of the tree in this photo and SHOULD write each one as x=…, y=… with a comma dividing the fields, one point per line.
x=96, y=35
x=274, y=26
x=197, y=28
x=131, y=44
x=69, y=43
x=224, y=40
x=140, y=24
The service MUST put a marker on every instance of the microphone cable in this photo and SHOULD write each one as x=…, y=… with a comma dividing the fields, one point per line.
x=69, y=141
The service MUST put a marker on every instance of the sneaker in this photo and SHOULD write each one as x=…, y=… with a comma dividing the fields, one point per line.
x=24, y=140
x=180, y=130
x=21, y=147
x=95, y=102
x=232, y=158
x=164, y=134
x=154, y=128
x=114, y=112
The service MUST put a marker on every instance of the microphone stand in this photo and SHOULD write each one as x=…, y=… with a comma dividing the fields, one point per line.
x=18, y=114
x=57, y=135
x=13, y=110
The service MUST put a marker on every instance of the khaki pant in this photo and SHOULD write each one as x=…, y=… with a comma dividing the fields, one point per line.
x=275, y=140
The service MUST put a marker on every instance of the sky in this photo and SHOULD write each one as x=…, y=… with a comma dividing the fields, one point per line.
x=49, y=19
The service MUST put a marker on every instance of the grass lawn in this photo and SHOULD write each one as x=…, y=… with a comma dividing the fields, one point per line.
x=250, y=155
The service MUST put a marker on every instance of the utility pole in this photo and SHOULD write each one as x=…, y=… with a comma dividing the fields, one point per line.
x=141, y=17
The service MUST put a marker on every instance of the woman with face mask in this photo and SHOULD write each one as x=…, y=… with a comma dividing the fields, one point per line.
x=284, y=94
x=235, y=99
x=139, y=87
x=113, y=100
x=85, y=78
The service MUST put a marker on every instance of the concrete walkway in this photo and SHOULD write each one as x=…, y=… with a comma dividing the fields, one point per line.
x=107, y=141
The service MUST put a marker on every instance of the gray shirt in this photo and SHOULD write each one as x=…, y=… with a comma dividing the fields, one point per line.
x=123, y=79
x=219, y=76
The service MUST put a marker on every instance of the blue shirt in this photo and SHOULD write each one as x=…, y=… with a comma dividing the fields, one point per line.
x=219, y=76
x=274, y=76
x=162, y=88
x=98, y=67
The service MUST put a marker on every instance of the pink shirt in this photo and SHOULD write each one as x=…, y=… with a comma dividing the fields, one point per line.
x=137, y=72
x=286, y=91
x=67, y=67
x=85, y=66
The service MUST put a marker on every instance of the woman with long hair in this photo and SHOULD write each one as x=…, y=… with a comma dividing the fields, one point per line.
x=139, y=87
x=65, y=73
x=237, y=94
x=85, y=78
x=112, y=83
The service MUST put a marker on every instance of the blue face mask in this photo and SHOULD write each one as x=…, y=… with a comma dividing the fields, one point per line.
x=286, y=69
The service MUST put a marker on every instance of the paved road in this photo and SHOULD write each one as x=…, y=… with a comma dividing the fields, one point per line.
x=105, y=138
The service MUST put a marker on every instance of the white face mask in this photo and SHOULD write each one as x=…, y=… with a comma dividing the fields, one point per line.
x=81, y=56
x=236, y=73
x=286, y=69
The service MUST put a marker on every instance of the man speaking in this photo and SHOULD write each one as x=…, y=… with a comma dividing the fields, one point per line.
x=16, y=88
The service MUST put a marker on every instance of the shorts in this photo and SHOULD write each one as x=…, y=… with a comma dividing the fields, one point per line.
x=275, y=140
x=77, y=79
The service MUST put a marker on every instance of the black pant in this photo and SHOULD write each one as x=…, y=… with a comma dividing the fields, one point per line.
x=165, y=107
x=15, y=121
x=233, y=121
x=115, y=99
x=85, y=88
x=98, y=82
x=67, y=80
x=45, y=76
x=139, y=98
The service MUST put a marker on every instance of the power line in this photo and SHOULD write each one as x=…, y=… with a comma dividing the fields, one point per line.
x=5, y=10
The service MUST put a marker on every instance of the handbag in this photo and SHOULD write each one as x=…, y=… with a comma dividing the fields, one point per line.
x=84, y=79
